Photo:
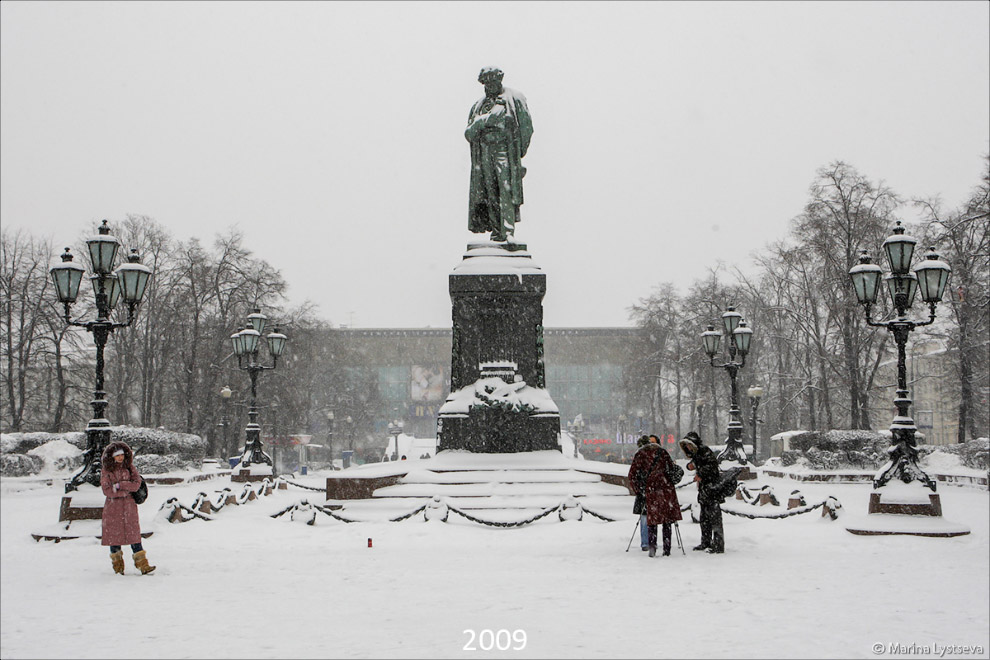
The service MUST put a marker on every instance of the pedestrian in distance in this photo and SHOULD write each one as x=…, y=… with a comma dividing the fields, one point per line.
x=650, y=475
x=707, y=475
x=119, y=479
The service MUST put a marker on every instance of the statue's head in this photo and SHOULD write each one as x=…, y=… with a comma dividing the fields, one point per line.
x=491, y=78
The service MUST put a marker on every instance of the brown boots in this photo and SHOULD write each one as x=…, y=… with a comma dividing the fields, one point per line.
x=141, y=561
x=118, y=561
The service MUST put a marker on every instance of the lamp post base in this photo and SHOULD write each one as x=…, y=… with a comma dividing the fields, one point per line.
x=902, y=510
x=256, y=472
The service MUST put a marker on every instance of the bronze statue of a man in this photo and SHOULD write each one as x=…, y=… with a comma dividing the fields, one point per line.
x=499, y=129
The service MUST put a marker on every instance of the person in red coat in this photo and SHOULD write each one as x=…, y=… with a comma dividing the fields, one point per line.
x=648, y=475
x=119, y=478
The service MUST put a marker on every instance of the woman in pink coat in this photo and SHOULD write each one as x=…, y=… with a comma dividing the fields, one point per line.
x=120, y=512
x=648, y=476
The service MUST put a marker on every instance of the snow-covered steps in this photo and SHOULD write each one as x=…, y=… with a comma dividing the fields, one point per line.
x=500, y=475
x=503, y=485
x=560, y=488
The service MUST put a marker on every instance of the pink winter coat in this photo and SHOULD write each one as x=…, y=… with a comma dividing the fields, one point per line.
x=120, y=511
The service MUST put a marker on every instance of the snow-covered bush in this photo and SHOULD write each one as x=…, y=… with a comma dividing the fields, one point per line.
x=19, y=465
x=156, y=450
x=59, y=455
x=973, y=454
x=819, y=459
x=790, y=457
x=805, y=441
x=22, y=443
x=186, y=446
x=157, y=464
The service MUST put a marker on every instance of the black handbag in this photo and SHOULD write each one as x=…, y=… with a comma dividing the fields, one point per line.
x=141, y=494
x=675, y=473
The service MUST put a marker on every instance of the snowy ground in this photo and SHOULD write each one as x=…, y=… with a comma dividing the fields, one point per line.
x=249, y=586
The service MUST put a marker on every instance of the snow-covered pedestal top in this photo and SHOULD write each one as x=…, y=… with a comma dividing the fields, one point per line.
x=490, y=258
x=87, y=496
x=519, y=395
x=898, y=492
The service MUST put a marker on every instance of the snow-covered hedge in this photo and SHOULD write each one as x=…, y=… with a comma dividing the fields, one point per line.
x=156, y=450
x=19, y=465
x=973, y=454
x=837, y=449
x=867, y=450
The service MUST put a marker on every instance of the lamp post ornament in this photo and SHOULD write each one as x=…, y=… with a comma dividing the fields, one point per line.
x=929, y=278
x=246, y=345
x=740, y=337
x=129, y=282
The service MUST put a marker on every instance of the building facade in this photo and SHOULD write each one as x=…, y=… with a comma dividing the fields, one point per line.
x=584, y=369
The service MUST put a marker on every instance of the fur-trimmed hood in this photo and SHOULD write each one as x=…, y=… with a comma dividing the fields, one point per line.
x=107, y=458
x=690, y=444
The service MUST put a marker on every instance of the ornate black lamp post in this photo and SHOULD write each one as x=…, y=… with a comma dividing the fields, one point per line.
x=395, y=430
x=755, y=393
x=929, y=278
x=246, y=345
x=740, y=338
x=129, y=282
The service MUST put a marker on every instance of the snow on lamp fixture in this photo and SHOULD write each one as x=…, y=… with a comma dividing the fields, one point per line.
x=134, y=277
x=236, y=343
x=711, y=338
x=866, y=279
x=249, y=339
x=899, y=248
x=66, y=277
x=742, y=336
x=257, y=320
x=730, y=320
x=933, y=275
x=103, y=250
x=276, y=343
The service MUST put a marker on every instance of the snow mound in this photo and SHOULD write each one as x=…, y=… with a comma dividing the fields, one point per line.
x=58, y=456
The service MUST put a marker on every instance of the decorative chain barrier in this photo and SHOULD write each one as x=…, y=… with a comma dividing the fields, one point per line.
x=495, y=523
x=831, y=509
x=438, y=509
x=176, y=512
x=764, y=496
x=299, y=485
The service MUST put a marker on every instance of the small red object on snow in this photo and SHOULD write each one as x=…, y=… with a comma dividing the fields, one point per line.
x=369, y=542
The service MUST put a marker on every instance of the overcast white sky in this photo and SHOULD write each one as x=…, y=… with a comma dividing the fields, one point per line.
x=667, y=135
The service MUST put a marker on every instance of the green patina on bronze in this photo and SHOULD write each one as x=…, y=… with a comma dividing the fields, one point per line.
x=499, y=129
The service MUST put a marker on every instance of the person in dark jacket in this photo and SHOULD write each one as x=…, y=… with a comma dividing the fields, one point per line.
x=705, y=464
x=648, y=475
x=118, y=479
